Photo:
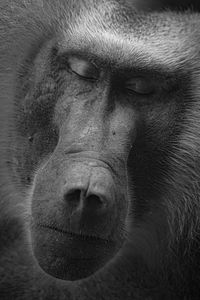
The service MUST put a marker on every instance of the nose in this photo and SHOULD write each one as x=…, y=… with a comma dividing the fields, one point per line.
x=89, y=189
x=90, y=197
x=84, y=198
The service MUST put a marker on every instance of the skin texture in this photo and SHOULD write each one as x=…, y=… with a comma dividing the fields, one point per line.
x=99, y=170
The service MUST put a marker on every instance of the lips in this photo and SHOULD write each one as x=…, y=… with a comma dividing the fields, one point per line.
x=68, y=255
x=77, y=245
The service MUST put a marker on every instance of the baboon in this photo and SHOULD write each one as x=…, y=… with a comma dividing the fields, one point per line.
x=100, y=151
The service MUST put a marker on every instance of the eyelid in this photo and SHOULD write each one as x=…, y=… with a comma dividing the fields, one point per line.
x=83, y=68
x=142, y=86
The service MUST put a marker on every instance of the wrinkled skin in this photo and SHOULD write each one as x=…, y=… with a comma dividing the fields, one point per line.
x=99, y=130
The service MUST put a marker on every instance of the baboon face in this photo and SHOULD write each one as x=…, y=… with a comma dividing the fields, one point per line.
x=96, y=122
x=79, y=129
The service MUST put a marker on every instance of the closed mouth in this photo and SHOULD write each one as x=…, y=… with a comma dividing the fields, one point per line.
x=76, y=236
x=70, y=245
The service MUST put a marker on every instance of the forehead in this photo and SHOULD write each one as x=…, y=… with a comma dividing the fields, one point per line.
x=126, y=36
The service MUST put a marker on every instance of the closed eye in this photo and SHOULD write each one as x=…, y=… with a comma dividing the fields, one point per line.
x=83, y=68
x=141, y=86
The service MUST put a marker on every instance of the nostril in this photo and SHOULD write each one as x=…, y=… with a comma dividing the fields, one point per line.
x=73, y=197
x=94, y=202
x=77, y=198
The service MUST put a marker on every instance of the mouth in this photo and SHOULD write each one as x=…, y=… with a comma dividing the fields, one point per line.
x=75, y=235
x=68, y=255
x=80, y=245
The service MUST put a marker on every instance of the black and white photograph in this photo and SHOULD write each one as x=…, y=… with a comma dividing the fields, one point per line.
x=99, y=150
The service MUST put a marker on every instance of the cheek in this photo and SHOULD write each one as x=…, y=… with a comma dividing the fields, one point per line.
x=36, y=137
x=149, y=162
x=148, y=159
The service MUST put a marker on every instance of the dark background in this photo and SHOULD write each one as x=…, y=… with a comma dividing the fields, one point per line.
x=162, y=4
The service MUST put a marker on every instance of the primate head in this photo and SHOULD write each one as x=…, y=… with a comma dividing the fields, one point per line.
x=101, y=143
